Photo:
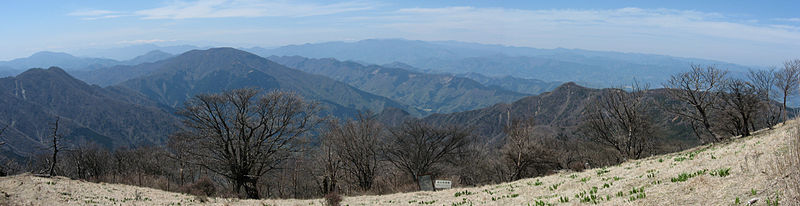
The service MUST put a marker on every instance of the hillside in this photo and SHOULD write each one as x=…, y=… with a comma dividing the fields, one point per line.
x=522, y=85
x=174, y=80
x=110, y=117
x=760, y=166
x=436, y=93
x=559, y=113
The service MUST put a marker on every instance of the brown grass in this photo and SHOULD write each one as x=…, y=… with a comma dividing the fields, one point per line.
x=762, y=166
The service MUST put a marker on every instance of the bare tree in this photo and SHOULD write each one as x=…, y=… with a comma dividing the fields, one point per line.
x=356, y=143
x=88, y=162
x=332, y=164
x=55, y=146
x=180, y=150
x=3, y=130
x=522, y=150
x=242, y=136
x=419, y=149
x=695, y=92
x=764, y=82
x=618, y=119
x=787, y=79
x=739, y=101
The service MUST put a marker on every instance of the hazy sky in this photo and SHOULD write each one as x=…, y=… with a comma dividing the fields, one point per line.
x=744, y=32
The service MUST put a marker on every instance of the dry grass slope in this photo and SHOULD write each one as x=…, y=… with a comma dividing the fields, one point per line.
x=764, y=166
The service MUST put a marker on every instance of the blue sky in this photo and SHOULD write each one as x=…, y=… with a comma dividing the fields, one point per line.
x=745, y=32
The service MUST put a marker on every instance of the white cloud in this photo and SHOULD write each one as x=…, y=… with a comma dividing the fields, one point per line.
x=229, y=8
x=246, y=8
x=663, y=31
x=143, y=41
x=660, y=31
x=96, y=14
x=788, y=19
x=91, y=12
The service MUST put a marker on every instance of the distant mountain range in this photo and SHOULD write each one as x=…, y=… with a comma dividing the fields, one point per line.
x=136, y=105
x=133, y=51
x=508, y=82
x=69, y=62
x=595, y=68
x=522, y=85
x=140, y=110
x=173, y=81
x=431, y=93
x=111, y=117
x=418, y=93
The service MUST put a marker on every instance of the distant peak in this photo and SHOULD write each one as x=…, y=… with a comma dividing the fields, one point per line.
x=569, y=86
x=50, y=54
x=52, y=71
x=394, y=110
x=56, y=69
x=157, y=52
x=387, y=39
x=218, y=51
x=223, y=49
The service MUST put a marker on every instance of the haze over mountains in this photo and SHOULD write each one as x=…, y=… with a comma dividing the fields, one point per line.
x=592, y=68
x=133, y=51
x=437, y=93
x=69, y=62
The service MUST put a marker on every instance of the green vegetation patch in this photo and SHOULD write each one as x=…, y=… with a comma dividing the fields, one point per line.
x=462, y=193
x=722, y=172
x=686, y=176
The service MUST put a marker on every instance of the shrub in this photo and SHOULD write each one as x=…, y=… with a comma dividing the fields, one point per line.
x=333, y=199
x=202, y=187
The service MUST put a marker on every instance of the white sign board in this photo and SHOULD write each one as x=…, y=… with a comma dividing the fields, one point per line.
x=442, y=184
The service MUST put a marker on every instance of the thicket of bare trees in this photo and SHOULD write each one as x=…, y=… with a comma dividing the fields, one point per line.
x=787, y=79
x=695, y=92
x=738, y=104
x=352, y=146
x=2, y=130
x=715, y=103
x=619, y=119
x=764, y=82
x=421, y=149
x=242, y=136
x=523, y=149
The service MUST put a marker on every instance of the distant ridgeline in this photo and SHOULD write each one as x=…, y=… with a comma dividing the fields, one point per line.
x=591, y=68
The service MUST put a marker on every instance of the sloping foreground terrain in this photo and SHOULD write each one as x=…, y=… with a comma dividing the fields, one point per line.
x=763, y=166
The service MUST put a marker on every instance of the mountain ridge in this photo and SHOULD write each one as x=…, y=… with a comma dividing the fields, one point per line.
x=174, y=80
x=35, y=98
x=435, y=93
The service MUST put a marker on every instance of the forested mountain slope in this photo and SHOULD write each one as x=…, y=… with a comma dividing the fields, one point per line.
x=434, y=93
